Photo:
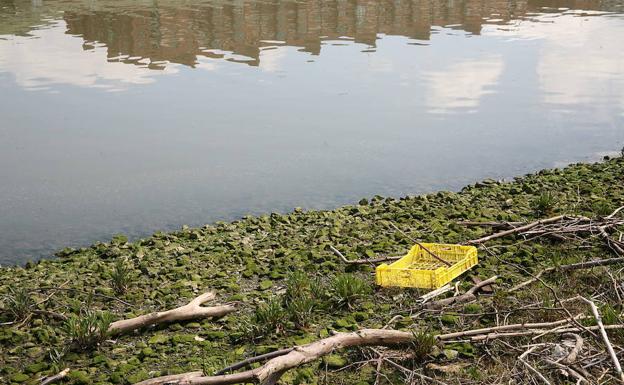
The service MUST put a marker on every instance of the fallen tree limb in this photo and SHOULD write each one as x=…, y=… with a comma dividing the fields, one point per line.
x=51, y=379
x=532, y=332
x=470, y=295
x=515, y=230
x=362, y=261
x=485, y=331
x=272, y=370
x=503, y=225
x=191, y=310
x=573, y=266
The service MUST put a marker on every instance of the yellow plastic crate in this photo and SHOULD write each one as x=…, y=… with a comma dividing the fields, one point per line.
x=419, y=269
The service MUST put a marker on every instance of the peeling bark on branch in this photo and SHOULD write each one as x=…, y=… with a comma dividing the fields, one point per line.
x=191, y=310
x=272, y=370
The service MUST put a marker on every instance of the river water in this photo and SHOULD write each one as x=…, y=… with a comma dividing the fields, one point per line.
x=132, y=116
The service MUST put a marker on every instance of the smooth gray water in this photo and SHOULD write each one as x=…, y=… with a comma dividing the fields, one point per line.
x=137, y=116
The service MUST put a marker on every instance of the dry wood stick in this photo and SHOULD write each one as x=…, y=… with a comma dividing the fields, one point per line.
x=251, y=360
x=505, y=225
x=612, y=243
x=614, y=213
x=531, y=332
x=605, y=337
x=531, y=368
x=485, y=331
x=466, y=297
x=421, y=245
x=51, y=379
x=515, y=230
x=573, y=266
x=272, y=370
x=576, y=350
x=362, y=261
x=432, y=294
x=192, y=310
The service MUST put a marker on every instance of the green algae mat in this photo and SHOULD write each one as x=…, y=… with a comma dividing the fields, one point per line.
x=290, y=289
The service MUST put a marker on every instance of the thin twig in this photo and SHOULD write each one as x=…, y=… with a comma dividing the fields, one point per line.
x=420, y=244
x=605, y=337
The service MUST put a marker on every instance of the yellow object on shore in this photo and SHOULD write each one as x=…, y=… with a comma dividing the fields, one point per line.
x=419, y=268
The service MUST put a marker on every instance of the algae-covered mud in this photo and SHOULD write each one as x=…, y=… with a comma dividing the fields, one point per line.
x=290, y=289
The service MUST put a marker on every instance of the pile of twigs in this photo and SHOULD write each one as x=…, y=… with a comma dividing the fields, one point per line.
x=561, y=227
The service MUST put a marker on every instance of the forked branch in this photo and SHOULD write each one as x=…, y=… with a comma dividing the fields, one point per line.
x=192, y=310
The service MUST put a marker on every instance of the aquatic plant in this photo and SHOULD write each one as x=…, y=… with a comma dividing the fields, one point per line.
x=88, y=329
x=19, y=303
x=423, y=343
x=297, y=285
x=299, y=310
x=346, y=289
x=602, y=208
x=120, y=277
x=269, y=317
x=544, y=203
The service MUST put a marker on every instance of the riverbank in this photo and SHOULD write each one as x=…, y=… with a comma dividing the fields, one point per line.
x=250, y=262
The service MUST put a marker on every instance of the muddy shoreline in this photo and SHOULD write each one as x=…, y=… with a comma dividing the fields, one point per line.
x=251, y=262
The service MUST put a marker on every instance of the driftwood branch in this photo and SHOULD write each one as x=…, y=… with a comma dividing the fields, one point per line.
x=192, y=310
x=469, y=296
x=51, y=379
x=286, y=359
x=503, y=328
x=362, y=261
x=272, y=370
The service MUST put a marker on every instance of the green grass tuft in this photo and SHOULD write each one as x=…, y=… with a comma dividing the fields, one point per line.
x=87, y=330
x=120, y=277
x=347, y=289
x=19, y=303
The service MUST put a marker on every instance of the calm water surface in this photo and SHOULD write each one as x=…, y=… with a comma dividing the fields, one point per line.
x=135, y=116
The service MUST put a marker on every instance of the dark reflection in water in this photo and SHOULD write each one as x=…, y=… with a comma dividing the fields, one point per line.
x=179, y=35
x=137, y=116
